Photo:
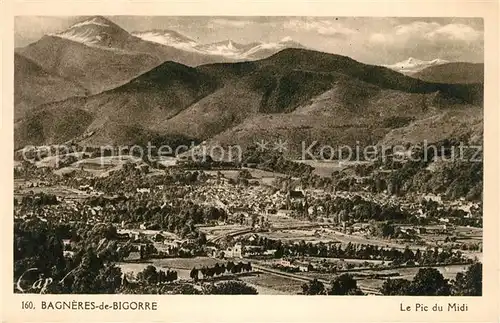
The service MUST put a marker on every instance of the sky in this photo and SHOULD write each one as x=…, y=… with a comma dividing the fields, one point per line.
x=372, y=40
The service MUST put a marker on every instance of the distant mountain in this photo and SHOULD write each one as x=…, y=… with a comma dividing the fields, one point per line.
x=413, y=65
x=229, y=50
x=96, y=31
x=298, y=94
x=100, y=55
x=34, y=86
x=453, y=73
x=250, y=51
x=167, y=38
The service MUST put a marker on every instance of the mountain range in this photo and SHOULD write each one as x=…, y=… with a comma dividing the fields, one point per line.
x=441, y=71
x=97, y=84
x=296, y=94
x=456, y=72
x=413, y=65
x=230, y=50
x=100, y=55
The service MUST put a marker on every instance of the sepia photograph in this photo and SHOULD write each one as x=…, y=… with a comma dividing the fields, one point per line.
x=256, y=155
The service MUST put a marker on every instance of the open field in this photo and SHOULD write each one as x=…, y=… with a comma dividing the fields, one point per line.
x=59, y=191
x=324, y=168
x=167, y=161
x=272, y=284
x=186, y=263
x=467, y=234
x=99, y=166
x=347, y=260
x=52, y=161
x=218, y=230
x=183, y=266
x=449, y=272
x=262, y=176
x=287, y=222
x=311, y=235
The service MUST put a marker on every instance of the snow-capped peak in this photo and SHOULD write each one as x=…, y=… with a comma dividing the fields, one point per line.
x=230, y=45
x=98, y=21
x=168, y=38
x=439, y=61
x=413, y=65
x=95, y=31
x=226, y=48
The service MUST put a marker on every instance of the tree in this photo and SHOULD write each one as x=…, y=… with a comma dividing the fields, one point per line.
x=254, y=219
x=148, y=275
x=314, y=287
x=344, y=285
x=217, y=269
x=93, y=276
x=109, y=279
x=232, y=287
x=194, y=274
x=470, y=283
x=280, y=251
x=387, y=230
x=395, y=287
x=185, y=289
x=429, y=282
x=204, y=272
x=244, y=174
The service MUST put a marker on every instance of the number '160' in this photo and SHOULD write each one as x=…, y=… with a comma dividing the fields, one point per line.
x=27, y=305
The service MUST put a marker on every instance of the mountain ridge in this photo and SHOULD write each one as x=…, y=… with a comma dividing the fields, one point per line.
x=208, y=101
x=453, y=72
x=413, y=65
x=230, y=50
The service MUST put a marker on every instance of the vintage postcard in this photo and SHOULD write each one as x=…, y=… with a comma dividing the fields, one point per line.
x=315, y=163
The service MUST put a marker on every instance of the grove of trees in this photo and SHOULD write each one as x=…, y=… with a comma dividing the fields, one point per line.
x=343, y=284
x=430, y=282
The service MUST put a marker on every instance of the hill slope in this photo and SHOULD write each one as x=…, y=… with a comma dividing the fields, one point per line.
x=140, y=104
x=464, y=73
x=298, y=94
x=34, y=86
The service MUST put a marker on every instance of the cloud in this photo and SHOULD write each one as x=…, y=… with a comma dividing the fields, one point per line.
x=229, y=23
x=431, y=32
x=379, y=38
x=415, y=28
x=458, y=32
x=322, y=27
x=427, y=40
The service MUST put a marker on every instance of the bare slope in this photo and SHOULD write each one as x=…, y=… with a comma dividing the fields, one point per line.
x=34, y=86
x=464, y=73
